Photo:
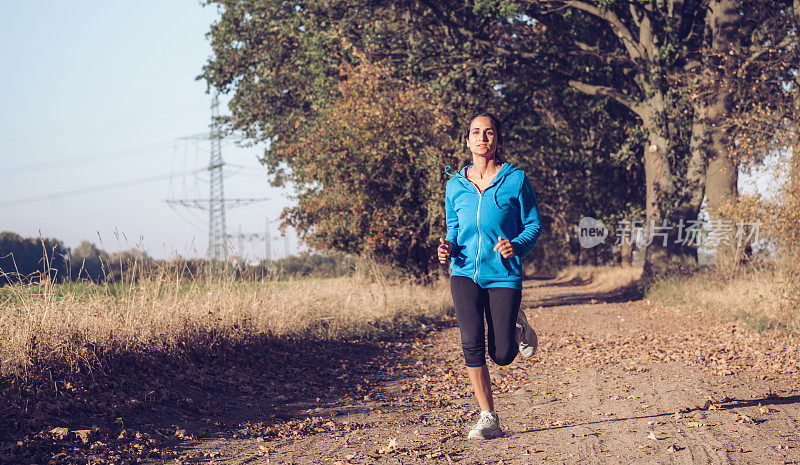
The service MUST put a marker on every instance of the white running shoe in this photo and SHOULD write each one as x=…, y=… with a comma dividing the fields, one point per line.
x=529, y=342
x=488, y=426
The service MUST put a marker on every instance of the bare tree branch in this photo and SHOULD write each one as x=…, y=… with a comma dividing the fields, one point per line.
x=605, y=91
x=616, y=25
x=759, y=51
x=634, y=15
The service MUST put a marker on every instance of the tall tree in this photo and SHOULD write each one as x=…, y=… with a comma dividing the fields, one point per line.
x=763, y=123
x=293, y=67
x=794, y=56
x=730, y=76
x=645, y=54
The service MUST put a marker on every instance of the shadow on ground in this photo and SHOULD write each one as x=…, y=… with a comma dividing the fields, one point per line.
x=140, y=404
x=625, y=294
x=577, y=291
x=724, y=405
x=576, y=281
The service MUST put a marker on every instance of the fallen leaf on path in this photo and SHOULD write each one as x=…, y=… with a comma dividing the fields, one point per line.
x=710, y=405
x=766, y=409
x=391, y=447
x=59, y=433
x=83, y=434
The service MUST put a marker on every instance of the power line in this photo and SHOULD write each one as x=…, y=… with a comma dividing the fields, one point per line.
x=187, y=220
x=94, y=126
x=102, y=156
x=245, y=167
x=203, y=204
x=87, y=190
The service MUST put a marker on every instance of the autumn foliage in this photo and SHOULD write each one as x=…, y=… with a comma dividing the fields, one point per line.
x=371, y=168
x=359, y=101
x=764, y=138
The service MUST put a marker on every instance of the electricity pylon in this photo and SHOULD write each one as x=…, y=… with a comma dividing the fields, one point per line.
x=266, y=236
x=216, y=205
x=216, y=202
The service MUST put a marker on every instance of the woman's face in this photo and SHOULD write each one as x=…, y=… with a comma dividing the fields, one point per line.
x=482, y=140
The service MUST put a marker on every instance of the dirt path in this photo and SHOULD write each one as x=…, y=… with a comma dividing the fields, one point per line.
x=615, y=381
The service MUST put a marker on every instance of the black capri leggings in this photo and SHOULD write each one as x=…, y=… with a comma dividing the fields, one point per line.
x=500, y=305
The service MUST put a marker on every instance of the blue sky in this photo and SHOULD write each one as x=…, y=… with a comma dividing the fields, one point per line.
x=96, y=94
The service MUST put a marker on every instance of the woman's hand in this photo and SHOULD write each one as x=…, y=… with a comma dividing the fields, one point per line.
x=505, y=247
x=445, y=247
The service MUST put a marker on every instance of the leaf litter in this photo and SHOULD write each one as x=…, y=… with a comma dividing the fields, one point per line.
x=415, y=384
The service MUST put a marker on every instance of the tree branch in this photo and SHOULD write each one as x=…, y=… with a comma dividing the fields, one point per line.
x=616, y=24
x=621, y=61
x=634, y=15
x=586, y=47
x=455, y=24
x=796, y=11
x=758, y=51
x=605, y=91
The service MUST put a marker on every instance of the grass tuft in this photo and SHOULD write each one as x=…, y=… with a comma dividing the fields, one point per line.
x=77, y=327
x=764, y=297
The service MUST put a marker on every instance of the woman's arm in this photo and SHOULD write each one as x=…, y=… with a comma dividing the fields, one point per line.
x=531, y=222
x=452, y=222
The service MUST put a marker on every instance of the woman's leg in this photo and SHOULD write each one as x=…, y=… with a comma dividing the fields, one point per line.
x=501, y=317
x=482, y=384
x=470, y=301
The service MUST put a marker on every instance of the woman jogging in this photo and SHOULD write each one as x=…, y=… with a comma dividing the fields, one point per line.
x=492, y=222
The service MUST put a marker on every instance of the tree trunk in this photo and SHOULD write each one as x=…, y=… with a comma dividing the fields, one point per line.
x=795, y=168
x=722, y=174
x=794, y=173
x=626, y=254
x=721, y=190
x=657, y=181
x=667, y=249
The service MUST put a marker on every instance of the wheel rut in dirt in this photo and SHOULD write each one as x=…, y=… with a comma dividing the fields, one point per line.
x=616, y=380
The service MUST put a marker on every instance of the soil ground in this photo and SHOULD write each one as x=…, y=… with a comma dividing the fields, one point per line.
x=616, y=380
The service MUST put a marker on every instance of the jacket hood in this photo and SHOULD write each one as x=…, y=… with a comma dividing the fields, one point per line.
x=499, y=178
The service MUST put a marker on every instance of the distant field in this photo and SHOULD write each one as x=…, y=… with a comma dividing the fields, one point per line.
x=75, y=326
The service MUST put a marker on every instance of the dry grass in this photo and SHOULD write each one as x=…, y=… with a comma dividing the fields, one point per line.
x=765, y=298
x=78, y=326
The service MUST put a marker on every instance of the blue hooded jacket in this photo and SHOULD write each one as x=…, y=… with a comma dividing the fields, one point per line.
x=507, y=208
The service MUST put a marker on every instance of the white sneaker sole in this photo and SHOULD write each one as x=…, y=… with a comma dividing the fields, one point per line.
x=527, y=350
x=475, y=434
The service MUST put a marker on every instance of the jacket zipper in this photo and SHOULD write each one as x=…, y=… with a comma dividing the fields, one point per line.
x=478, y=223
